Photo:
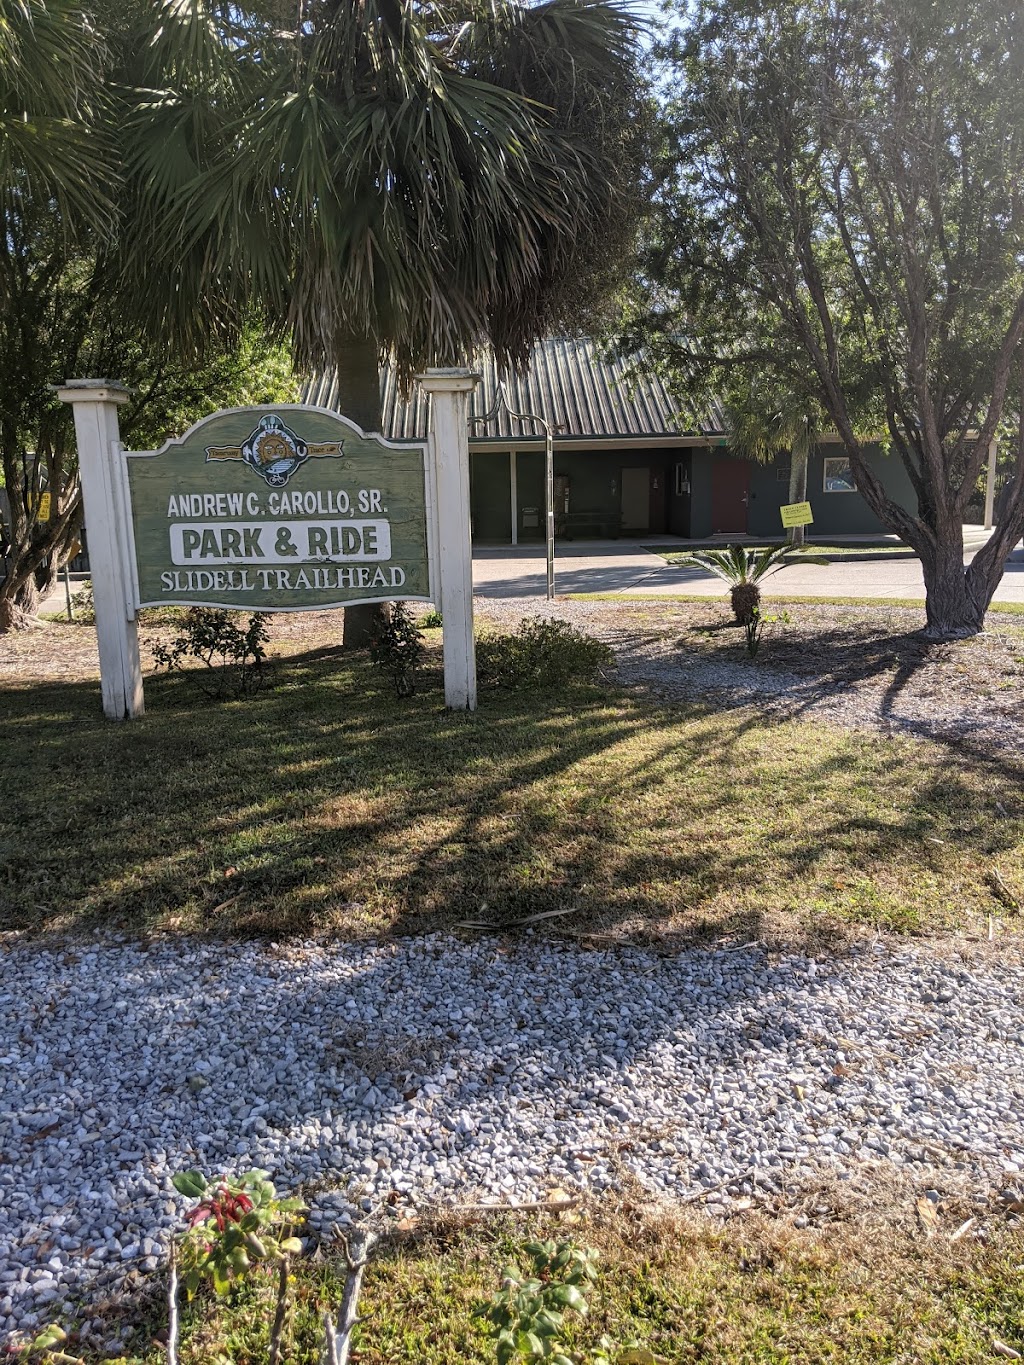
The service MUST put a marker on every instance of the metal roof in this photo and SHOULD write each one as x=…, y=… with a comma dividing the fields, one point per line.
x=569, y=382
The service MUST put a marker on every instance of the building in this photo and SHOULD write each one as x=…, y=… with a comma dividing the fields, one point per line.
x=631, y=459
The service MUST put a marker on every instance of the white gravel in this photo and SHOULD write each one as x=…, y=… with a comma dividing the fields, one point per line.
x=439, y=1070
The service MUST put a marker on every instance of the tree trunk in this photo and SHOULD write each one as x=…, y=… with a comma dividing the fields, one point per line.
x=19, y=602
x=797, y=493
x=359, y=398
x=746, y=600
x=953, y=607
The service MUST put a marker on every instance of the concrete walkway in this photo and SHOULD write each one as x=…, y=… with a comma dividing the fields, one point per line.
x=616, y=566
x=620, y=567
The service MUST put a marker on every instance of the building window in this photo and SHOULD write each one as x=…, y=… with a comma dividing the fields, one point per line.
x=838, y=476
x=682, y=482
x=782, y=472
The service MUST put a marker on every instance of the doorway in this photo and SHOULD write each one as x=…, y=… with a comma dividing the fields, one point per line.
x=636, y=499
x=730, y=495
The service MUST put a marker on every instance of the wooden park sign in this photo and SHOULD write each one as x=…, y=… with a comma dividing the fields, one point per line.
x=277, y=508
x=280, y=509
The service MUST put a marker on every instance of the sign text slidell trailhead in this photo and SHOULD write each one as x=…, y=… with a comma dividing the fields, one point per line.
x=279, y=509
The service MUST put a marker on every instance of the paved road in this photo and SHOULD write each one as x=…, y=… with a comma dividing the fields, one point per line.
x=613, y=567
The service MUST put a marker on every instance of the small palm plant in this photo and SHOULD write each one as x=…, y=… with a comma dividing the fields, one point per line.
x=744, y=569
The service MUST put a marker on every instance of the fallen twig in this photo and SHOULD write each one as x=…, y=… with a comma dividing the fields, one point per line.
x=964, y=1227
x=529, y=1205
x=698, y=1195
x=514, y=923
x=1001, y=891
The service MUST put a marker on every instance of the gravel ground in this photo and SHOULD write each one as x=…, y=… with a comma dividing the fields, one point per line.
x=437, y=1070
x=861, y=668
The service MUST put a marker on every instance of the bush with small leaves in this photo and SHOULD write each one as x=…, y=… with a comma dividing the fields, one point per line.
x=397, y=648
x=541, y=653
x=431, y=620
x=83, y=607
x=527, y=1314
x=236, y=1224
x=753, y=627
x=234, y=655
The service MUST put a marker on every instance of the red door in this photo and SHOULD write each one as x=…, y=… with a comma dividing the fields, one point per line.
x=730, y=494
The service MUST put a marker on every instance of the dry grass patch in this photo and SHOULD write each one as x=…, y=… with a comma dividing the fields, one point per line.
x=868, y=1286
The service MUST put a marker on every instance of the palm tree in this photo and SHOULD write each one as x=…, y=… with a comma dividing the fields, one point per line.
x=744, y=570
x=53, y=148
x=387, y=177
x=54, y=188
x=765, y=421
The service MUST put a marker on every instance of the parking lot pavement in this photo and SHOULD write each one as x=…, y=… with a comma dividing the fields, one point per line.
x=617, y=567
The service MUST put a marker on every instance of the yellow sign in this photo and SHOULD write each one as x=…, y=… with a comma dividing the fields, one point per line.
x=796, y=514
x=44, y=507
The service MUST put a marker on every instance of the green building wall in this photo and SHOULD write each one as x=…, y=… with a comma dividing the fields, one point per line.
x=595, y=493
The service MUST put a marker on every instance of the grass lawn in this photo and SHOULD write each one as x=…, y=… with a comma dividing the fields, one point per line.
x=753, y=1292
x=785, y=599
x=811, y=548
x=324, y=805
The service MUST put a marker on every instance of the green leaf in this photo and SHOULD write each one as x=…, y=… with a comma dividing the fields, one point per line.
x=48, y=1338
x=291, y=1246
x=190, y=1183
x=570, y=1296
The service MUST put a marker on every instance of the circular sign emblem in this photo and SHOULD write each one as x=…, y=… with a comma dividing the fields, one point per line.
x=274, y=451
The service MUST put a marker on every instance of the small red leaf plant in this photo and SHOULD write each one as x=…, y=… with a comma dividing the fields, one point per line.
x=237, y=1222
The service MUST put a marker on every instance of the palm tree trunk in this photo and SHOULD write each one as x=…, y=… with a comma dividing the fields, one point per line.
x=797, y=492
x=357, y=359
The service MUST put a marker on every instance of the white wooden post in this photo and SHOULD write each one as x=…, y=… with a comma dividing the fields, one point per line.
x=449, y=451
x=990, y=485
x=104, y=492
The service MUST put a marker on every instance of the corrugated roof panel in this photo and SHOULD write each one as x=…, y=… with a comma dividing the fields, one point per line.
x=568, y=383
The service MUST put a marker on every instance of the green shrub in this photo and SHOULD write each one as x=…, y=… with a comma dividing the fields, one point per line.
x=431, y=620
x=541, y=653
x=233, y=655
x=397, y=648
x=754, y=625
x=527, y=1314
x=83, y=608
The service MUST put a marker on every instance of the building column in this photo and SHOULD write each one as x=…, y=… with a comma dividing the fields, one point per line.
x=990, y=485
x=513, y=473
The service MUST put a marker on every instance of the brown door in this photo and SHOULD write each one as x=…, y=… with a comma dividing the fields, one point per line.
x=730, y=493
x=636, y=499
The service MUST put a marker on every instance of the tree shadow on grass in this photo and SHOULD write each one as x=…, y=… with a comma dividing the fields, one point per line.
x=324, y=806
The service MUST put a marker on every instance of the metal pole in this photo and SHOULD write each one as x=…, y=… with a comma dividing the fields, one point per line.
x=501, y=400
x=549, y=495
x=67, y=592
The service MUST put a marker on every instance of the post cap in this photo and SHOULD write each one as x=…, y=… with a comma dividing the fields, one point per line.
x=93, y=391
x=457, y=380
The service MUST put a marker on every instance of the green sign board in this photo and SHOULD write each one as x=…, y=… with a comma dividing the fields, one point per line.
x=280, y=508
x=796, y=514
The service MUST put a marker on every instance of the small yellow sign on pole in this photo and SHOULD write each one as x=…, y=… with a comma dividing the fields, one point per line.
x=44, y=507
x=796, y=514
